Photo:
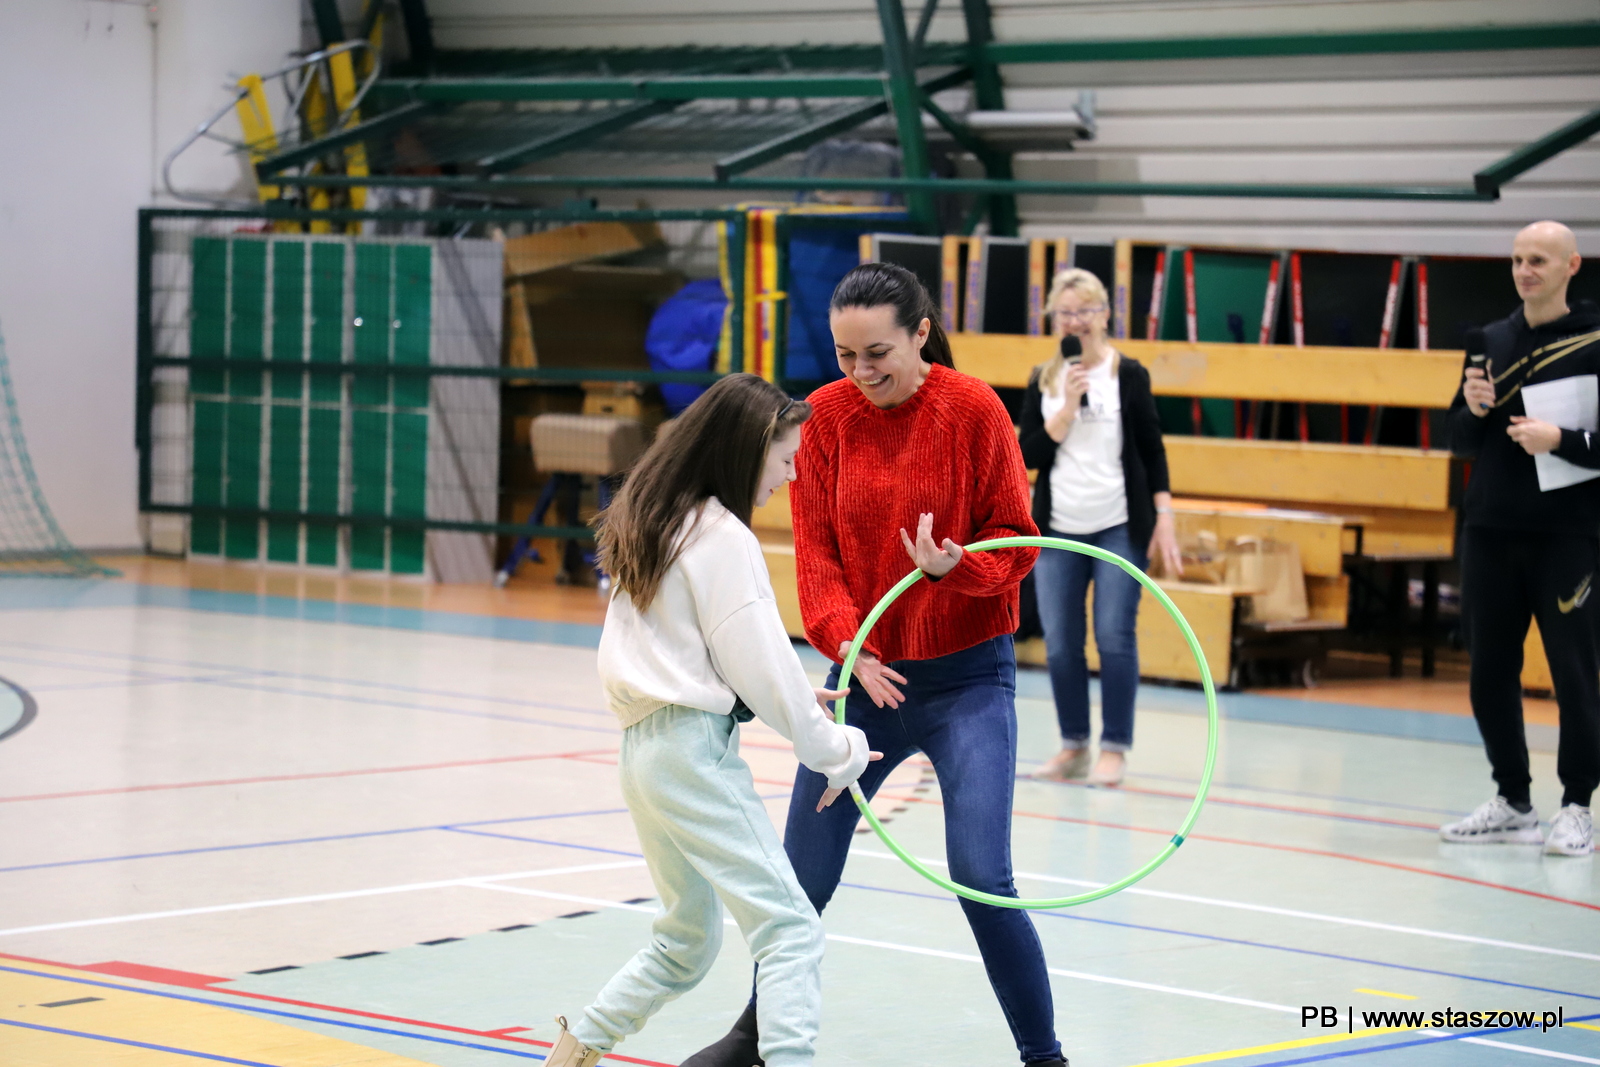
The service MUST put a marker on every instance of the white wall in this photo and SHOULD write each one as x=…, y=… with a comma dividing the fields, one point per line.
x=92, y=94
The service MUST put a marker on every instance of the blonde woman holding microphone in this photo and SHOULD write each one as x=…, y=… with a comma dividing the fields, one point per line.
x=1089, y=427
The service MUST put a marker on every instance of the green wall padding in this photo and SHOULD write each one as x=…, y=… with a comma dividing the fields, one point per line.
x=327, y=317
x=374, y=290
x=369, y=477
x=322, y=484
x=413, y=297
x=242, y=489
x=410, y=479
x=205, y=533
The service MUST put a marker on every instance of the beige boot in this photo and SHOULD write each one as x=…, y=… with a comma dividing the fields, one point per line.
x=570, y=1052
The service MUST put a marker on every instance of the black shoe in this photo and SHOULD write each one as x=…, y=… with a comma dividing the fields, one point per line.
x=736, y=1048
x=1060, y=1061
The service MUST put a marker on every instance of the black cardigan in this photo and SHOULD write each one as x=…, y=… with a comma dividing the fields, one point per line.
x=1144, y=457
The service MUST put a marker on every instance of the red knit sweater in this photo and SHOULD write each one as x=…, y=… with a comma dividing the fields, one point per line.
x=864, y=473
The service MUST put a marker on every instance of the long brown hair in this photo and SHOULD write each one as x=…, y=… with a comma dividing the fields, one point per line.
x=874, y=285
x=716, y=448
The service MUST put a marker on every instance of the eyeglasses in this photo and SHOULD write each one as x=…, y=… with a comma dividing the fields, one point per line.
x=1079, y=315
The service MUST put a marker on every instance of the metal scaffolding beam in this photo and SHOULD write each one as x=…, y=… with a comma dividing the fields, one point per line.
x=1473, y=39
x=576, y=136
x=798, y=140
x=1491, y=178
x=305, y=153
x=707, y=87
x=419, y=32
x=905, y=98
x=980, y=186
x=988, y=94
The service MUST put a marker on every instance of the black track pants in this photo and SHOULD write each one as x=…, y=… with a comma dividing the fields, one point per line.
x=1508, y=576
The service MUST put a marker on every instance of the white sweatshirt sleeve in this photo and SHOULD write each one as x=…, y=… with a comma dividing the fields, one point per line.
x=751, y=651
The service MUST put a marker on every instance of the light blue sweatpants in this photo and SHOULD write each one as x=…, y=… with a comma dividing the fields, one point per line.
x=708, y=842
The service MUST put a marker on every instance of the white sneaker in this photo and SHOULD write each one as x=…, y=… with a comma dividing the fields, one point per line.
x=1571, y=832
x=1495, y=823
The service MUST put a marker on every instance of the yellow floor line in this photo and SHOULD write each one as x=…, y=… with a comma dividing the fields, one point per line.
x=1382, y=993
x=153, y=1020
x=1256, y=1050
x=1585, y=1026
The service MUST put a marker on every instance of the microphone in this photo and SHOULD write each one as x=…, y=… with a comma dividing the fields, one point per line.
x=1477, y=355
x=1072, y=352
x=1476, y=350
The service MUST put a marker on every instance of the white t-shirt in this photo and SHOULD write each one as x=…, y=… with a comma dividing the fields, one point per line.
x=712, y=637
x=1087, y=490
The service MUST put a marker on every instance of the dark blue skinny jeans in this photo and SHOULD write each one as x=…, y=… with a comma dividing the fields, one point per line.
x=959, y=711
x=1061, y=583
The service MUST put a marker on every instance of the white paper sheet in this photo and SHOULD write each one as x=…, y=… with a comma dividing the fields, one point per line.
x=1572, y=404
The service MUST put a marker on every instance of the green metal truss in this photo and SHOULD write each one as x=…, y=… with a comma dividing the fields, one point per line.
x=486, y=114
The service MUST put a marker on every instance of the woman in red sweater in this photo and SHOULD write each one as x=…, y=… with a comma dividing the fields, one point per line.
x=902, y=462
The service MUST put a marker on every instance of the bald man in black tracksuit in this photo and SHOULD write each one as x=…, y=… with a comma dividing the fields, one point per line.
x=1531, y=553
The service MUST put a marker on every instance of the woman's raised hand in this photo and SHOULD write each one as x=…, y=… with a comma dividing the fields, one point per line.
x=877, y=679
x=936, y=561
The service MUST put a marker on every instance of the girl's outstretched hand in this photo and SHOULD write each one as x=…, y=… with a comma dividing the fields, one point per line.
x=826, y=696
x=830, y=795
x=936, y=561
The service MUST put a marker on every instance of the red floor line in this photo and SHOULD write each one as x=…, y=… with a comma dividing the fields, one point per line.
x=1264, y=807
x=310, y=775
x=1250, y=844
x=497, y=1035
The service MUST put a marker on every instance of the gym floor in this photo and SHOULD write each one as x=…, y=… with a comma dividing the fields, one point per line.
x=264, y=822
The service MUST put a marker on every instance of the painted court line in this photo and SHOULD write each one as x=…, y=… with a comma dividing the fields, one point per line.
x=191, y=1053
x=918, y=950
x=1530, y=1051
x=1264, y=909
x=175, y=978
x=1299, y=849
x=1325, y=853
x=354, y=836
x=301, y=676
x=1256, y=805
x=307, y=776
x=236, y=1006
x=351, y=894
x=1396, y=805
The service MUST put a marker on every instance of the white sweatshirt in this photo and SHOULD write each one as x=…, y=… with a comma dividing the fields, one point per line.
x=711, y=638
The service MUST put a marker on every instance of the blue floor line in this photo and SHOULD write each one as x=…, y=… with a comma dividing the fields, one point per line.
x=1240, y=941
x=1344, y=1053
x=1226, y=802
x=230, y=671
x=307, y=840
x=25, y=593
x=1032, y=683
x=541, y=841
x=613, y=730
x=244, y=1006
x=193, y=1054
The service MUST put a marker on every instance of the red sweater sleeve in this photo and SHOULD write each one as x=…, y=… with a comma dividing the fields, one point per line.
x=1001, y=507
x=826, y=604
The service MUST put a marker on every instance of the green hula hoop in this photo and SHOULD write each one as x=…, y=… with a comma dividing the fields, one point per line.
x=1211, y=727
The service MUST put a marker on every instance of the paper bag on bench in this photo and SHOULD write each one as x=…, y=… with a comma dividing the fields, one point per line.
x=1272, y=571
x=1204, y=559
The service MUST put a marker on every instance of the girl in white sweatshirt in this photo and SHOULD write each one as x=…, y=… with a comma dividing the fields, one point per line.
x=692, y=646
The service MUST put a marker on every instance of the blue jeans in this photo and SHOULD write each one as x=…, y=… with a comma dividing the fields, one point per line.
x=1061, y=583
x=959, y=711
